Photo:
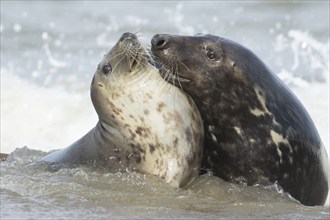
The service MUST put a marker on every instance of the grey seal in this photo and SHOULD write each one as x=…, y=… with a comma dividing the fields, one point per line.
x=256, y=129
x=145, y=124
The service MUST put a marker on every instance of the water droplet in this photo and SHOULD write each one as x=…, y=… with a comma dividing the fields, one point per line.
x=17, y=27
x=51, y=24
x=278, y=25
x=58, y=43
x=44, y=36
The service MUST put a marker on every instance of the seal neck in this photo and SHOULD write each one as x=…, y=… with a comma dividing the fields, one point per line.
x=106, y=132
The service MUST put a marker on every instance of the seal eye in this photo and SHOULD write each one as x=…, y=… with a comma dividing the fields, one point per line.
x=106, y=69
x=210, y=54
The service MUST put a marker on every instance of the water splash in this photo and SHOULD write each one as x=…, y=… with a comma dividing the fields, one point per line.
x=310, y=58
x=48, y=118
x=97, y=193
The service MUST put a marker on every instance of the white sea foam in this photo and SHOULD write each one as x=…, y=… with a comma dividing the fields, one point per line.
x=308, y=58
x=43, y=118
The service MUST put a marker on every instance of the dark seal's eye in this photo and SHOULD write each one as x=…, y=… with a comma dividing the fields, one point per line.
x=106, y=69
x=210, y=54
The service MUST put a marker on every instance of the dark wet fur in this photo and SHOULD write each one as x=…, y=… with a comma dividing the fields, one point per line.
x=225, y=94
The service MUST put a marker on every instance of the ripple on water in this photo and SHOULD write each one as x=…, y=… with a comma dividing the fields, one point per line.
x=30, y=190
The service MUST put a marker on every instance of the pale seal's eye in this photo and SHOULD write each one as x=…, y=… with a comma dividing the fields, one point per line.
x=210, y=54
x=106, y=69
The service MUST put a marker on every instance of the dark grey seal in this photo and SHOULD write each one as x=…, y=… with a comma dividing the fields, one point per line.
x=256, y=130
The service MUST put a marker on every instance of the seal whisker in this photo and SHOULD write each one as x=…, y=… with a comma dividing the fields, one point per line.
x=184, y=65
x=138, y=34
x=174, y=72
x=166, y=87
x=146, y=54
x=167, y=76
x=116, y=55
x=177, y=75
x=135, y=53
x=119, y=61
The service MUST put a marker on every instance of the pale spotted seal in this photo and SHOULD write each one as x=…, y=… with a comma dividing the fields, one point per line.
x=256, y=130
x=145, y=124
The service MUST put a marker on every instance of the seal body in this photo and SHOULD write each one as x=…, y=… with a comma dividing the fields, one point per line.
x=145, y=124
x=256, y=130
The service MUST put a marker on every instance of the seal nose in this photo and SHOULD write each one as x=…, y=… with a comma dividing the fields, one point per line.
x=127, y=35
x=159, y=42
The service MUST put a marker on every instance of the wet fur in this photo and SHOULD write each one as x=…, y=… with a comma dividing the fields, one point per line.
x=256, y=130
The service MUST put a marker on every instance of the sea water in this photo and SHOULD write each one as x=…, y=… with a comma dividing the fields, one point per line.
x=49, y=53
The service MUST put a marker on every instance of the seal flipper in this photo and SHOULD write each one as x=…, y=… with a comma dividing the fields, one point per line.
x=80, y=152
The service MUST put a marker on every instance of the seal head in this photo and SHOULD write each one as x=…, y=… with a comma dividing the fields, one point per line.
x=256, y=130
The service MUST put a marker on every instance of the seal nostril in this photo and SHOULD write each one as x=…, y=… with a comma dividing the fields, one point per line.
x=160, y=43
x=127, y=35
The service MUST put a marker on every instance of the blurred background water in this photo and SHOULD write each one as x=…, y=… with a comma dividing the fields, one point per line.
x=49, y=52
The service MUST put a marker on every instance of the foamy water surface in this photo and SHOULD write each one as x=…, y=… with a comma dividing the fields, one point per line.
x=49, y=52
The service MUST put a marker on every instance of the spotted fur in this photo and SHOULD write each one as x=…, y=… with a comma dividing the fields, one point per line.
x=145, y=124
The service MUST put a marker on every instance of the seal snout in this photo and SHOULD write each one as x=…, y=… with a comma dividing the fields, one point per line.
x=159, y=42
x=127, y=36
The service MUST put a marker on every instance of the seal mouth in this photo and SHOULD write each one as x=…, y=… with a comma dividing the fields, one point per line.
x=171, y=73
x=137, y=60
x=180, y=78
x=134, y=64
x=130, y=53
